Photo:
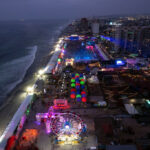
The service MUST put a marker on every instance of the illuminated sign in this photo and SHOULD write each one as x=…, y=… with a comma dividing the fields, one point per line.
x=61, y=104
x=120, y=62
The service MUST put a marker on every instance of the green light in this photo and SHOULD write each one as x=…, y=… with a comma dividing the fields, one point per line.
x=73, y=84
x=148, y=101
x=27, y=112
x=59, y=59
x=73, y=80
x=82, y=82
x=78, y=96
x=76, y=74
x=81, y=78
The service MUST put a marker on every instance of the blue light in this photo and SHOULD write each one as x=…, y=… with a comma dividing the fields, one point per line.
x=82, y=44
x=73, y=38
x=120, y=62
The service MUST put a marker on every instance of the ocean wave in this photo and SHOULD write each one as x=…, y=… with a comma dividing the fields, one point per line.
x=12, y=73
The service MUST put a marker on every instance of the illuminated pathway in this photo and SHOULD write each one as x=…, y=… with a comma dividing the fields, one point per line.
x=101, y=53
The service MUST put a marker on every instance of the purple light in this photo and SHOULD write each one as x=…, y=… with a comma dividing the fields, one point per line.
x=37, y=123
x=63, y=50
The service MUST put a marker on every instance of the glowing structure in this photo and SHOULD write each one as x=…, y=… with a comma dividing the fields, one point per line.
x=69, y=62
x=61, y=104
x=67, y=126
x=30, y=90
x=78, y=86
x=120, y=62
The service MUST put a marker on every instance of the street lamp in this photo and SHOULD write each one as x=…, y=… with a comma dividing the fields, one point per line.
x=30, y=90
x=41, y=72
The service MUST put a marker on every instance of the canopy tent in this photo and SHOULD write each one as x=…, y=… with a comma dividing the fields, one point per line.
x=94, y=70
x=131, y=109
x=93, y=80
x=51, y=64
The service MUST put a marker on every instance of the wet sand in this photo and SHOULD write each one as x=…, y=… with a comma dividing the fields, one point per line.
x=16, y=97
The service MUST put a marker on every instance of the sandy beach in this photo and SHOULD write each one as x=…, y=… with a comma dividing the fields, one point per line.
x=16, y=97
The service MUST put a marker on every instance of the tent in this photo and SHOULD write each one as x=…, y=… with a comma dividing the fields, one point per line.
x=93, y=80
x=131, y=109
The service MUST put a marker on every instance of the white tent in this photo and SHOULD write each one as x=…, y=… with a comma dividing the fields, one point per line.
x=51, y=64
x=93, y=80
x=131, y=109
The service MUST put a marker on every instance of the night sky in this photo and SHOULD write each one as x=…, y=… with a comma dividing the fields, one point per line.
x=61, y=9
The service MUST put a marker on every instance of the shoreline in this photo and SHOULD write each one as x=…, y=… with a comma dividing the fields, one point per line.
x=28, y=76
x=15, y=98
x=17, y=95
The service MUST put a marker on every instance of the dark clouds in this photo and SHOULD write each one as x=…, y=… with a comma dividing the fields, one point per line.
x=44, y=9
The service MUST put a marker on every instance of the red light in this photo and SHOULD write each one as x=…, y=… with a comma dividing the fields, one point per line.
x=73, y=90
x=77, y=76
x=77, y=84
x=73, y=96
x=84, y=99
x=83, y=92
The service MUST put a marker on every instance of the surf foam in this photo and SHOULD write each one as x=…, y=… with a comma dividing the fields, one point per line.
x=12, y=73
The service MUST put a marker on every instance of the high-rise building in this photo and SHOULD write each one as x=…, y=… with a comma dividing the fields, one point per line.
x=95, y=27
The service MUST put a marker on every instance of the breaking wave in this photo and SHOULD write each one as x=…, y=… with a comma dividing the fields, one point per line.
x=13, y=72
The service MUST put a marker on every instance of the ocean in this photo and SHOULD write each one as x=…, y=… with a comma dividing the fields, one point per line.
x=23, y=46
